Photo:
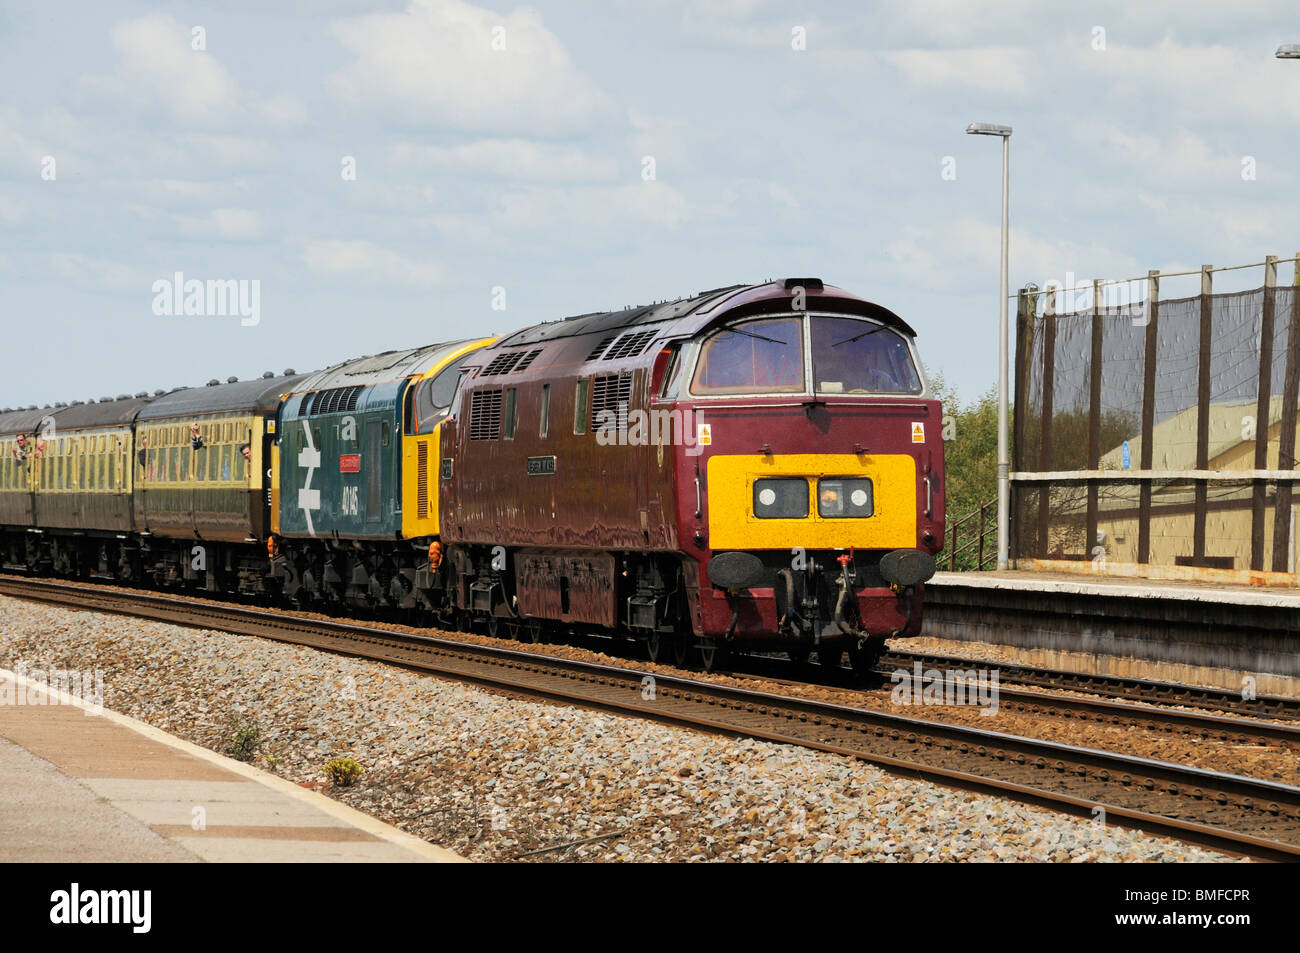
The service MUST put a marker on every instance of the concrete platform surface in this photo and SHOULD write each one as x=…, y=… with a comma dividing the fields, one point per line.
x=79, y=783
x=1123, y=586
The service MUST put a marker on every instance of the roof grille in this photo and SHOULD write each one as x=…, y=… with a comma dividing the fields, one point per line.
x=485, y=415
x=599, y=349
x=503, y=363
x=333, y=401
x=528, y=359
x=611, y=392
x=630, y=345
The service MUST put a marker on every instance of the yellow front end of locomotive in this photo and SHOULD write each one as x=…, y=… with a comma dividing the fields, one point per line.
x=881, y=513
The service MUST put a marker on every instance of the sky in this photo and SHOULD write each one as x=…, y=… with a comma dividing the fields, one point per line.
x=377, y=175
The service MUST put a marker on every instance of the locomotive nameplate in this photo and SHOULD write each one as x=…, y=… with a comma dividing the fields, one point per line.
x=350, y=463
x=541, y=466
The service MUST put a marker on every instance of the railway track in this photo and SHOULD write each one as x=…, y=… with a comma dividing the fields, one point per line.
x=1274, y=707
x=1249, y=816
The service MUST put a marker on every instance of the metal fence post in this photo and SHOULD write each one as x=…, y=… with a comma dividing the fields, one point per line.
x=1094, y=417
x=1286, y=441
x=1263, y=413
x=1203, y=415
x=1147, y=454
x=1045, y=446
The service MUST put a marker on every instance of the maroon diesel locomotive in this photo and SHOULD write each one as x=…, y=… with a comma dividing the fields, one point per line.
x=756, y=467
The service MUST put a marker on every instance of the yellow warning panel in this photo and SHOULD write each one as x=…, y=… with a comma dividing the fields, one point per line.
x=733, y=525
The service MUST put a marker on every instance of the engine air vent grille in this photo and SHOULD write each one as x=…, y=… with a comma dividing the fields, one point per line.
x=485, y=415
x=612, y=393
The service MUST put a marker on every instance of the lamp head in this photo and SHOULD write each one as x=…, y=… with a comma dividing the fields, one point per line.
x=988, y=129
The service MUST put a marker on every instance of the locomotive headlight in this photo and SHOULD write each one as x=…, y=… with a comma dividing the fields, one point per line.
x=845, y=498
x=781, y=498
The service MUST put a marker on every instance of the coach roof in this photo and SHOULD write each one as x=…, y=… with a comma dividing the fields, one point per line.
x=107, y=413
x=258, y=395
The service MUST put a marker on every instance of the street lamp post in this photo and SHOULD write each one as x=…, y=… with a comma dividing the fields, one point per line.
x=1004, y=437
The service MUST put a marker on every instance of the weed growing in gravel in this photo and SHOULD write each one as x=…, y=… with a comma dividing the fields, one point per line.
x=343, y=771
x=273, y=761
x=245, y=737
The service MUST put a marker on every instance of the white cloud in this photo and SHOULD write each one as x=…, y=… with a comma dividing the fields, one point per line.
x=1179, y=159
x=993, y=69
x=11, y=211
x=961, y=22
x=434, y=65
x=229, y=150
x=189, y=189
x=519, y=159
x=667, y=138
x=228, y=224
x=953, y=255
x=1204, y=83
x=365, y=260
x=159, y=69
x=98, y=274
x=564, y=213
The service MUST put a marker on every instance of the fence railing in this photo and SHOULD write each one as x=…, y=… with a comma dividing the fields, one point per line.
x=1159, y=430
x=982, y=522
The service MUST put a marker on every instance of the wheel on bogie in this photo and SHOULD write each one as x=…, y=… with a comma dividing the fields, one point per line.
x=681, y=645
x=714, y=656
x=654, y=646
x=531, y=631
x=829, y=656
x=864, y=658
x=493, y=627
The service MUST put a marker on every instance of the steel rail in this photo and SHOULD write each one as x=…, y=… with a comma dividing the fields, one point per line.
x=1111, y=686
x=1255, y=817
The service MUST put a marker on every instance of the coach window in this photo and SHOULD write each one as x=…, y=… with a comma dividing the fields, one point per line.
x=510, y=413
x=545, y=423
x=580, y=407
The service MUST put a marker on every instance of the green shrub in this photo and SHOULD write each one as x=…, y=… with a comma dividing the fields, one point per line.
x=343, y=771
x=245, y=738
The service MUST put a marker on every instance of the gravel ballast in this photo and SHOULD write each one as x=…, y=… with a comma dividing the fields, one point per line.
x=495, y=777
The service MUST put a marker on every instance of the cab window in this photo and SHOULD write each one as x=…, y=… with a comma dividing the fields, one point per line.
x=433, y=398
x=861, y=357
x=754, y=357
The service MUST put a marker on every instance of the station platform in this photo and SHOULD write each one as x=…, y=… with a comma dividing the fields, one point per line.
x=81, y=784
x=1196, y=632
